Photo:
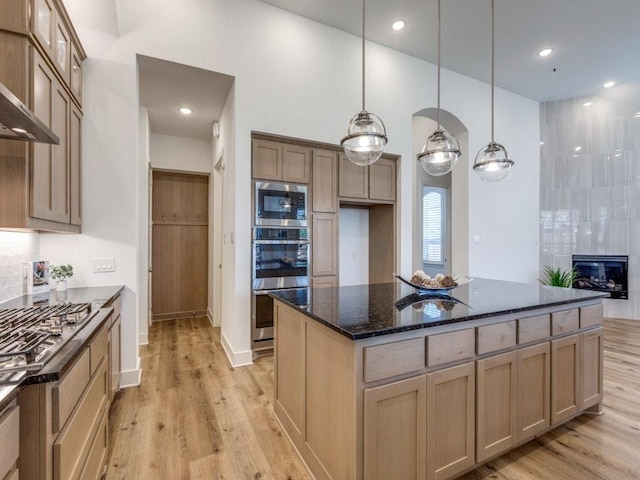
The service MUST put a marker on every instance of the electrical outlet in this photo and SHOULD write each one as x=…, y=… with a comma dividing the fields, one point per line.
x=104, y=265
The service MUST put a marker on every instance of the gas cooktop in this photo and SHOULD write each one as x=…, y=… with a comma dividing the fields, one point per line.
x=30, y=336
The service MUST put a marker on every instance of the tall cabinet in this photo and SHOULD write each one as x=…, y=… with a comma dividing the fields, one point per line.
x=41, y=63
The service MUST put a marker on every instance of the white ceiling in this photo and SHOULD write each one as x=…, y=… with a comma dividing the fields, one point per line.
x=593, y=40
x=167, y=86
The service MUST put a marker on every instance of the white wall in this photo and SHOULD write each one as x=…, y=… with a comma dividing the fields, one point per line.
x=307, y=88
x=179, y=153
x=353, y=241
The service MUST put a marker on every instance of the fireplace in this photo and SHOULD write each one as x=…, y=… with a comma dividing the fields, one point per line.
x=605, y=273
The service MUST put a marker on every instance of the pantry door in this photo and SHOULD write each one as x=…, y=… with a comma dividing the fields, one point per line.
x=180, y=245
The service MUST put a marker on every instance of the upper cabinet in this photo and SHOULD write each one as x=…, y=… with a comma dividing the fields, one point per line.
x=41, y=63
x=375, y=182
x=280, y=161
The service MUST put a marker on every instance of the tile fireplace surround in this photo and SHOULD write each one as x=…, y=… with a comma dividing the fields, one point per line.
x=590, y=188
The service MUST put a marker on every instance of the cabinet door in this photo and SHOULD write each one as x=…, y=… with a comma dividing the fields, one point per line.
x=395, y=430
x=534, y=385
x=496, y=404
x=114, y=357
x=325, y=181
x=591, y=368
x=354, y=180
x=75, y=164
x=62, y=49
x=382, y=180
x=43, y=24
x=49, y=182
x=324, y=244
x=450, y=421
x=328, y=281
x=75, y=81
x=565, y=378
x=296, y=164
x=267, y=160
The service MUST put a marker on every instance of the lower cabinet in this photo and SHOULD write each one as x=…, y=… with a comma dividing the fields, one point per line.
x=10, y=441
x=497, y=398
x=565, y=378
x=591, y=368
x=395, y=430
x=534, y=368
x=450, y=421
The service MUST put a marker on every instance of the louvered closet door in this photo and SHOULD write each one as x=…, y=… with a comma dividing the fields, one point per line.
x=179, y=245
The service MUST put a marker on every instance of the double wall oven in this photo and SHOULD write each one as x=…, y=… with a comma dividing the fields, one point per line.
x=280, y=252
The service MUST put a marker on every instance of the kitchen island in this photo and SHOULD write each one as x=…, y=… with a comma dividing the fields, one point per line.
x=377, y=382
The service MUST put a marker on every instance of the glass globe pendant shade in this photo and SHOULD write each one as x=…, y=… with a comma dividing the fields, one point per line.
x=492, y=163
x=439, y=154
x=365, y=140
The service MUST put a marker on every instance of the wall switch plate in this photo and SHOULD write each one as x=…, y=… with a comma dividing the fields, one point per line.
x=104, y=265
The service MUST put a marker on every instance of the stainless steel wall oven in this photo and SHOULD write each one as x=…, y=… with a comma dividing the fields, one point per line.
x=280, y=204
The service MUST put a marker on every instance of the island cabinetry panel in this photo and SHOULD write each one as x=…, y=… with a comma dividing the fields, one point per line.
x=591, y=316
x=375, y=182
x=395, y=430
x=391, y=359
x=10, y=441
x=324, y=182
x=498, y=336
x=532, y=329
x=281, y=162
x=592, y=388
x=565, y=378
x=534, y=387
x=324, y=244
x=497, y=398
x=450, y=421
x=450, y=347
x=565, y=321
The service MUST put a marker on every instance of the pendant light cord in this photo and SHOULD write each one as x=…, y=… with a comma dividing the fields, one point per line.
x=492, y=69
x=438, y=109
x=363, y=73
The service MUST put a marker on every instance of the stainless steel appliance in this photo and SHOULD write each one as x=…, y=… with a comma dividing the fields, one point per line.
x=30, y=336
x=280, y=261
x=280, y=204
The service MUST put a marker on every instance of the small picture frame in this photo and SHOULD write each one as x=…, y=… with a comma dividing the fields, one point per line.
x=39, y=277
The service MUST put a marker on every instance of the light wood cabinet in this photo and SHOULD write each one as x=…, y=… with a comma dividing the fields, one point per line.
x=324, y=182
x=395, y=430
x=324, y=244
x=280, y=161
x=114, y=338
x=374, y=182
x=75, y=165
x=43, y=21
x=10, y=440
x=534, y=386
x=450, y=421
x=591, y=363
x=565, y=378
x=497, y=398
x=327, y=281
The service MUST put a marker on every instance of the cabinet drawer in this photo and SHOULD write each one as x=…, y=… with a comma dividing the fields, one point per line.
x=565, y=321
x=591, y=316
x=496, y=337
x=9, y=439
x=390, y=359
x=450, y=347
x=98, y=454
x=534, y=328
x=99, y=347
x=71, y=448
x=69, y=389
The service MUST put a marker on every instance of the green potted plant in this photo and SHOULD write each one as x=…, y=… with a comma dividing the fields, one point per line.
x=60, y=273
x=559, y=277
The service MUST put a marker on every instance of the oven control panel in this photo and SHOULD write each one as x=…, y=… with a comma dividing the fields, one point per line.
x=262, y=233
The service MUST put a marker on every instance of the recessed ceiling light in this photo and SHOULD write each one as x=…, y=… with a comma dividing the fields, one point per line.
x=578, y=149
x=618, y=155
x=398, y=25
x=19, y=130
x=185, y=111
x=586, y=104
x=637, y=114
x=545, y=52
x=609, y=84
x=541, y=143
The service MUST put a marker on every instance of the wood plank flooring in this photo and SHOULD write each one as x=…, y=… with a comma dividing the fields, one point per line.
x=194, y=417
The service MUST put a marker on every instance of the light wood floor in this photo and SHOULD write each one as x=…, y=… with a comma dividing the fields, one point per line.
x=194, y=417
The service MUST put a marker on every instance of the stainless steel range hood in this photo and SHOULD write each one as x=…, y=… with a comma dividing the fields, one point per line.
x=17, y=122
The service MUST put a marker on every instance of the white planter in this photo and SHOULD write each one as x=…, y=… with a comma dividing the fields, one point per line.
x=61, y=285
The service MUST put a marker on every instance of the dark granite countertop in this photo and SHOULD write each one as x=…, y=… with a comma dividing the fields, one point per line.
x=363, y=311
x=58, y=364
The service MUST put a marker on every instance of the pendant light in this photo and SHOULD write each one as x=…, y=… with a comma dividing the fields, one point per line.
x=366, y=135
x=441, y=150
x=492, y=162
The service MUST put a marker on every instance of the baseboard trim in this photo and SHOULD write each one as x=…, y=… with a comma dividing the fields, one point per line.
x=210, y=317
x=143, y=338
x=237, y=359
x=131, y=378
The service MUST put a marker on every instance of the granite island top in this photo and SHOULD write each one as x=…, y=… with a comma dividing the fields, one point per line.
x=63, y=359
x=363, y=311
